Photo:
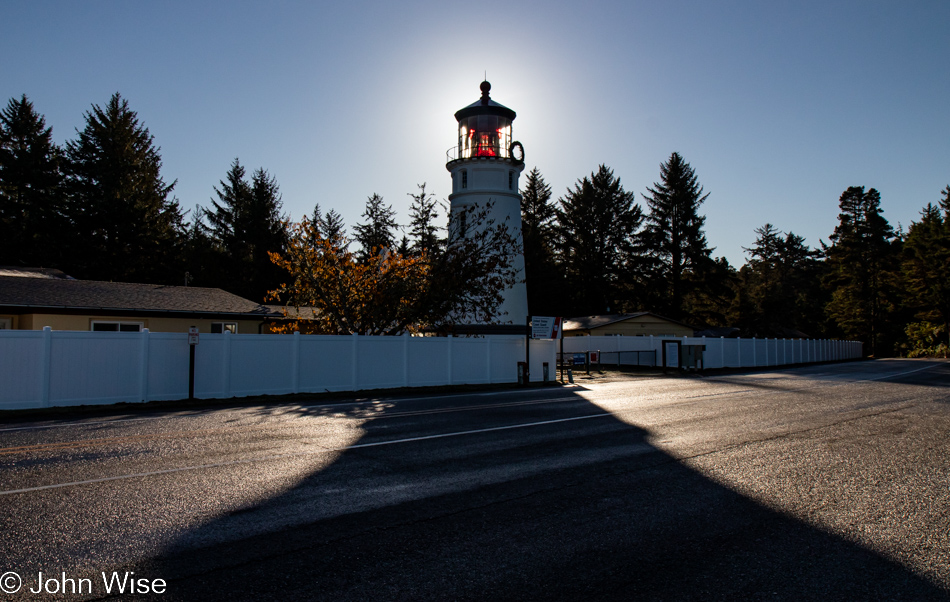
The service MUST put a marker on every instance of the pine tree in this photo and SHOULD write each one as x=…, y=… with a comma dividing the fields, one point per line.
x=673, y=237
x=328, y=225
x=598, y=224
x=128, y=227
x=539, y=231
x=202, y=258
x=268, y=233
x=862, y=261
x=334, y=229
x=778, y=286
x=379, y=231
x=247, y=225
x=926, y=266
x=316, y=221
x=228, y=220
x=423, y=212
x=32, y=223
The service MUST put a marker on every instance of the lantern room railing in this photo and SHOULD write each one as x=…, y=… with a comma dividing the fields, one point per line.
x=475, y=151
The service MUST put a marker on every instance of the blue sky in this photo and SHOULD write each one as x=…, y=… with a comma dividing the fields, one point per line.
x=779, y=106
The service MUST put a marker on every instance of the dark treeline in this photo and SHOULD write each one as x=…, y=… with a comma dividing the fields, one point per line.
x=99, y=208
x=596, y=250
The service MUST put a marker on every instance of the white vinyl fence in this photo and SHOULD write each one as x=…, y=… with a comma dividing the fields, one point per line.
x=718, y=353
x=61, y=368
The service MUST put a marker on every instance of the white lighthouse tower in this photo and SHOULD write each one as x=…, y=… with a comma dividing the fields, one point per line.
x=485, y=166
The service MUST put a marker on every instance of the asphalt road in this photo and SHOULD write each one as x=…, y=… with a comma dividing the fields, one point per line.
x=823, y=482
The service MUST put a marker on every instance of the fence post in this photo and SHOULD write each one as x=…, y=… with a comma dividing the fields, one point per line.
x=45, y=372
x=355, y=357
x=405, y=359
x=755, y=361
x=143, y=366
x=296, y=364
x=448, y=353
x=488, y=358
x=227, y=363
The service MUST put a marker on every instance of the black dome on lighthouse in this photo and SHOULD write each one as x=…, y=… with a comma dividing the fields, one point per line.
x=484, y=106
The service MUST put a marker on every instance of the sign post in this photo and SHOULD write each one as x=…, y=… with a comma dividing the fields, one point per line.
x=527, y=349
x=544, y=327
x=192, y=343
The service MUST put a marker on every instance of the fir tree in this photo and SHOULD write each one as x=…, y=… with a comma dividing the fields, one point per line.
x=673, y=237
x=328, y=225
x=228, y=220
x=405, y=247
x=32, y=223
x=778, y=286
x=423, y=230
x=334, y=229
x=202, y=258
x=316, y=221
x=128, y=226
x=379, y=231
x=598, y=224
x=267, y=235
x=926, y=266
x=862, y=261
x=247, y=225
x=539, y=232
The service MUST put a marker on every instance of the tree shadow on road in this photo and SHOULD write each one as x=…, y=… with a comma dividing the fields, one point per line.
x=590, y=512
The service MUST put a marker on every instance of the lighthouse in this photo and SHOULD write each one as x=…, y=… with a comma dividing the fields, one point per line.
x=486, y=165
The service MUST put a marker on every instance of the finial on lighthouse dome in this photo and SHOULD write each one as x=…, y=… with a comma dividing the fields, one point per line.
x=485, y=88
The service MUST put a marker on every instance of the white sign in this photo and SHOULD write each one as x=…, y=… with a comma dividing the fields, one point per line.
x=545, y=327
x=193, y=335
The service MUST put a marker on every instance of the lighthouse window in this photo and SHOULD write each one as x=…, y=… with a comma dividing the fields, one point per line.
x=484, y=136
x=511, y=179
x=464, y=178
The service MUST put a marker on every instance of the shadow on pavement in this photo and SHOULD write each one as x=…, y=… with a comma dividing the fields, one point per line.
x=589, y=512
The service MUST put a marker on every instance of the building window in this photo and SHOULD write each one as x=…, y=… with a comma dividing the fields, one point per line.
x=108, y=326
x=464, y=178
x=511, y=179
x=221, y=327
x=6, y=323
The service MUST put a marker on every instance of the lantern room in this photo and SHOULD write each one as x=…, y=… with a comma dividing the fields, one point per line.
x=484, y=130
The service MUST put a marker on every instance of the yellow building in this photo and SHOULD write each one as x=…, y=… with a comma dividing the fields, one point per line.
x=642, y=323
x=32, y=299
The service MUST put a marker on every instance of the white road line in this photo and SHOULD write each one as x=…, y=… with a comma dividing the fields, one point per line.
x=178, y=415
x=40, y=427
x=296, y=454
x=410, y=413
x=485, y=430
x=898, y=374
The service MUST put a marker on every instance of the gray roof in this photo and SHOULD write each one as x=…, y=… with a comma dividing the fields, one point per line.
x=92, y=295
x=589, y=322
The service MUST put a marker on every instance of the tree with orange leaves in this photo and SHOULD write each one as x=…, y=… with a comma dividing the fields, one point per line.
x=388, y=293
